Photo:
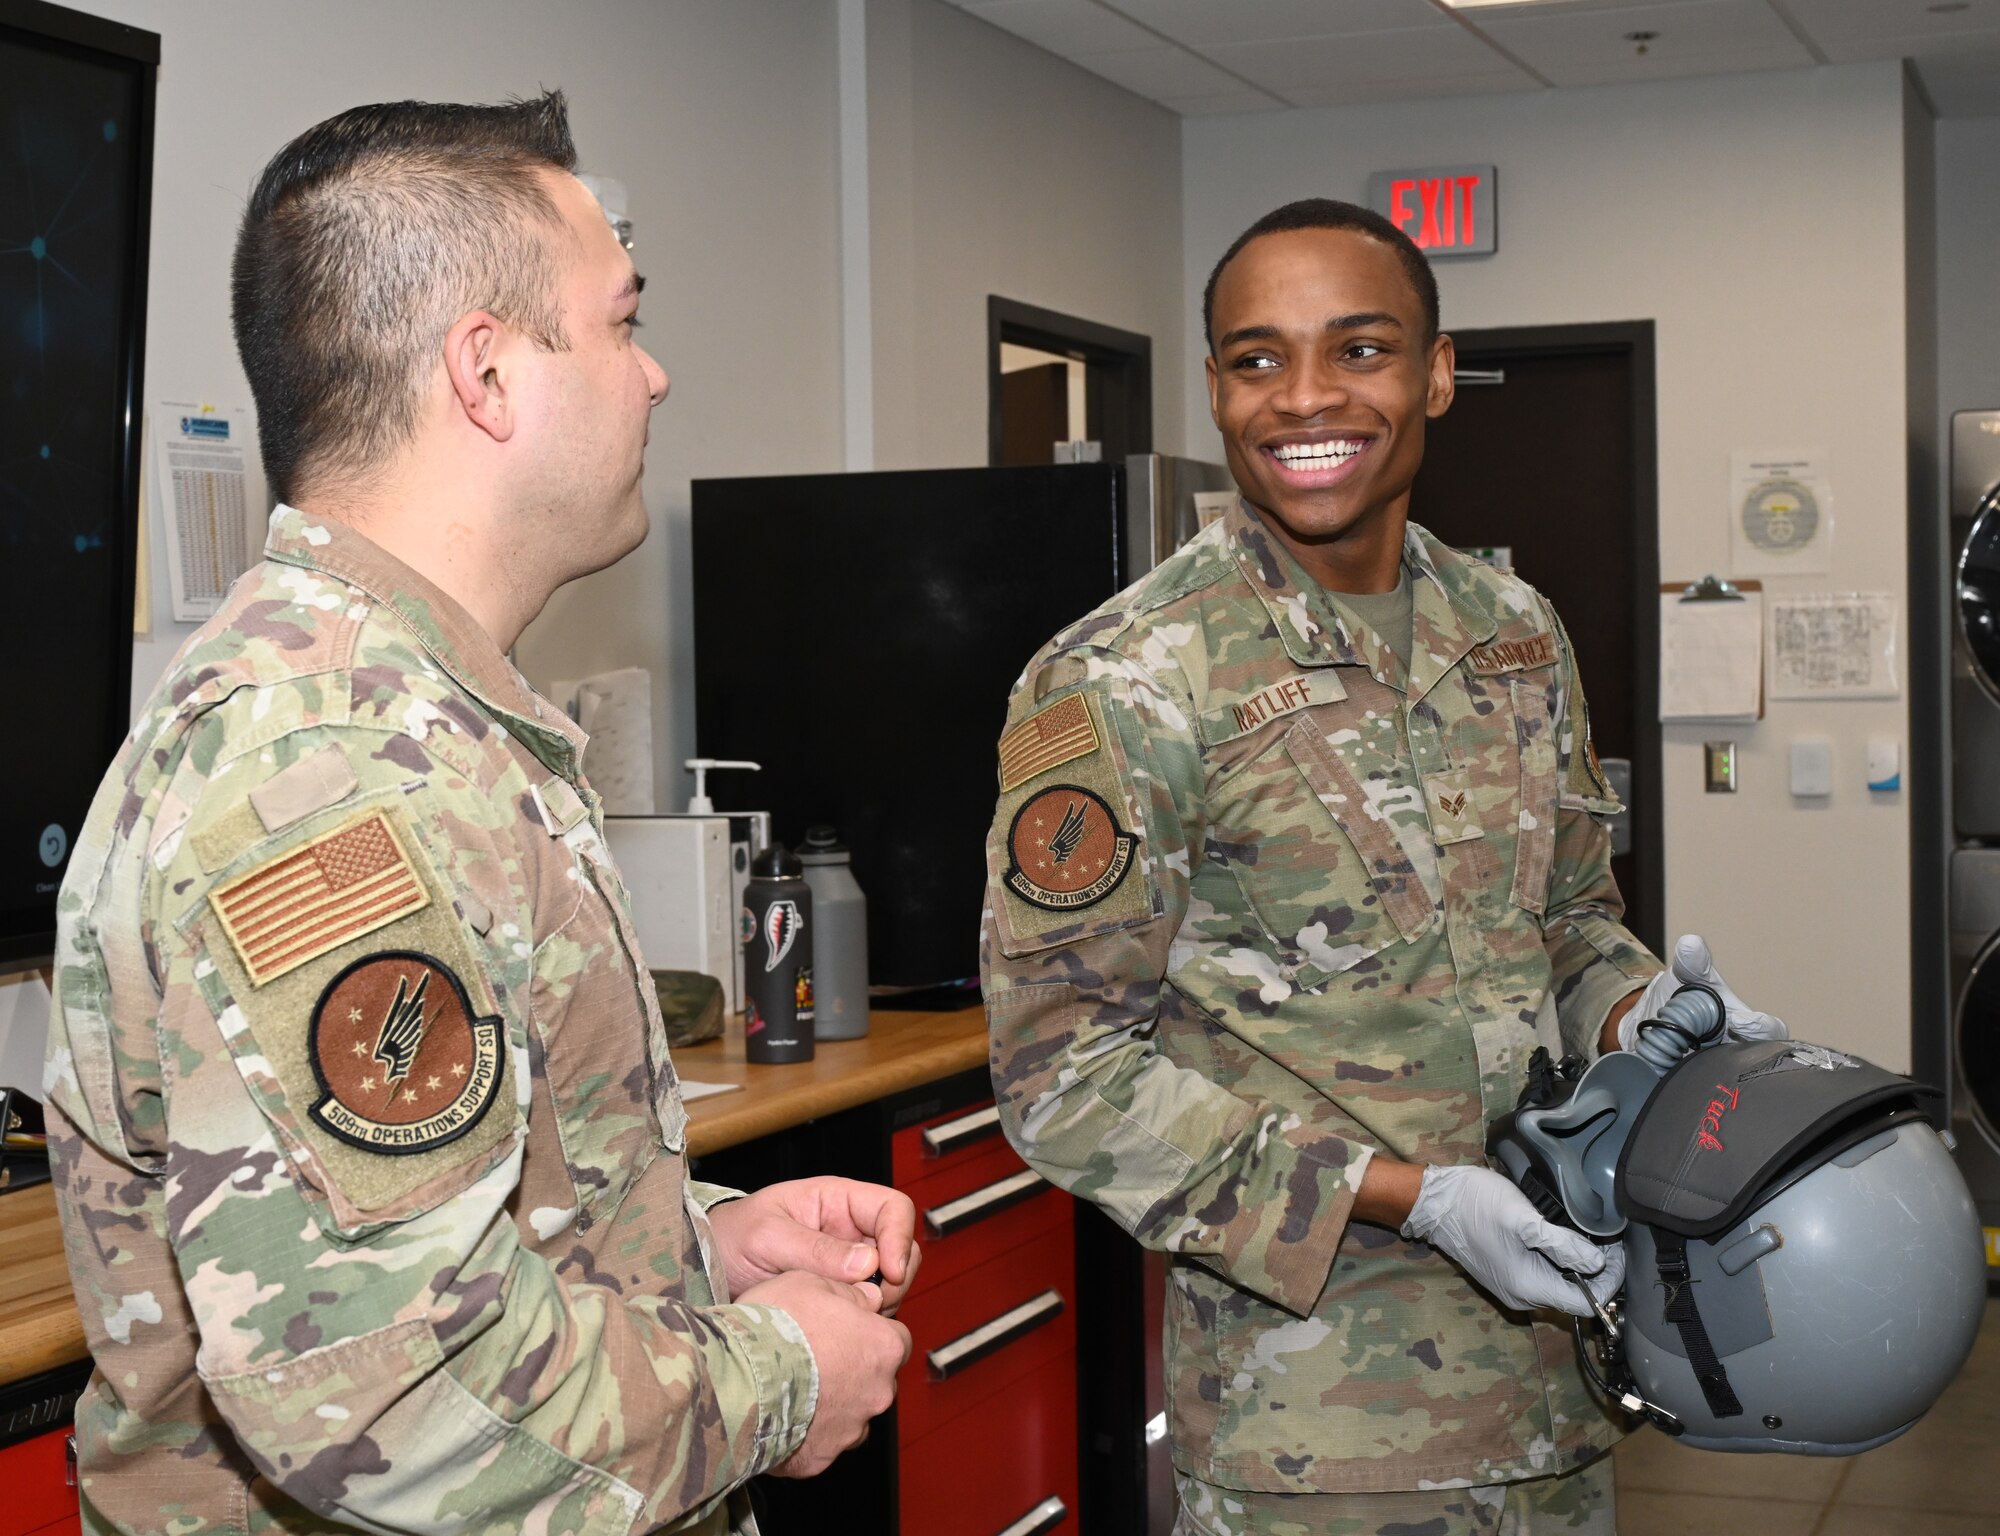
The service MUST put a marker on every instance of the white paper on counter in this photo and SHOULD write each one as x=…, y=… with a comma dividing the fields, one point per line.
x=1711, y=658
x=691, y=1090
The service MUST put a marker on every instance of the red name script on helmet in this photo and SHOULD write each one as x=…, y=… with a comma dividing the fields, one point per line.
x=1708, y=1138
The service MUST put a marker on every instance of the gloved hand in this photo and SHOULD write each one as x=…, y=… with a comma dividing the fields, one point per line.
x=1692, y=962
x=1483, y=1224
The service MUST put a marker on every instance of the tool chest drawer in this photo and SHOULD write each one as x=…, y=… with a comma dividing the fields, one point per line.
x=1009, y=1467
x=962, y=1224
x=948, y=1143
x=1011, y=1317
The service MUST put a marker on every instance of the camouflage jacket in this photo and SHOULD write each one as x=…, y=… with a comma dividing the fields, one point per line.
x=1262, y=903
x=368, y=1147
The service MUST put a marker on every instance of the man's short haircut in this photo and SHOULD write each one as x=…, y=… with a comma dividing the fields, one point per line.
x=367, y=238
x=1326, y=213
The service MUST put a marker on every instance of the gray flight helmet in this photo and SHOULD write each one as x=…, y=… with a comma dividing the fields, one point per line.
x=1805, y=1268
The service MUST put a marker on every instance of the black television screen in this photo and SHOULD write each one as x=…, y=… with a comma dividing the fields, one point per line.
x=858, y=635
x=76, y=130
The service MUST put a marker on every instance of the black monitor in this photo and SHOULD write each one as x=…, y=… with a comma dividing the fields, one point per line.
x=76, y=174
x=858, y=636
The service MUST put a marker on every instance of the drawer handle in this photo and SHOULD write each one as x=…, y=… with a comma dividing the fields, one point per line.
x=1045, y=1516
x=956, y=1215
x=966, y=1129
x=947, y=1360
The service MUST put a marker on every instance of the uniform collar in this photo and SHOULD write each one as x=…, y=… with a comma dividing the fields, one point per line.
x=452, y=637
x=1450, y=613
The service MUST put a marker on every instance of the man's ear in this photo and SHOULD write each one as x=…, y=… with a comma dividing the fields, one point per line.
x=1443, y=385
x=473, y=352
x=1209, y=363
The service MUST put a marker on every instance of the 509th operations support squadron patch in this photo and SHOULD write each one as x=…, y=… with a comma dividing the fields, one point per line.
x=404, y=1062
x=1065, y=849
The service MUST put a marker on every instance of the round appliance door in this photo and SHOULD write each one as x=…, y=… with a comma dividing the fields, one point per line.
x=1977, y=1039
x=1979, y=592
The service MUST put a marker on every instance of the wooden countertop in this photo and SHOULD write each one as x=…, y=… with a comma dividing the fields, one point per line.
x=900, y=1050
x=39, y=1326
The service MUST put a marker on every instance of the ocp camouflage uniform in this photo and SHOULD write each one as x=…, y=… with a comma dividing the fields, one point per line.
x=368, y=1146
x=1262, y=903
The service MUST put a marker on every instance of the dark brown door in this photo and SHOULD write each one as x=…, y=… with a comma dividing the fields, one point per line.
x=1034, y=413
x=1551, y=455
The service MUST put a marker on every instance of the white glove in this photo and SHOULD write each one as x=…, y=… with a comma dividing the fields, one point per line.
x=1483, y=1224
x=1692, y=962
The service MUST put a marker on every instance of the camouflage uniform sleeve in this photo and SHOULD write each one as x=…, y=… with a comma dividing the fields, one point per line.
x=1594, y=960
x=415, y=1366
x=1075, y=983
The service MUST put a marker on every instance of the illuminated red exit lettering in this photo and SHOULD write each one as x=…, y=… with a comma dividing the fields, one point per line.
x=1442, y=214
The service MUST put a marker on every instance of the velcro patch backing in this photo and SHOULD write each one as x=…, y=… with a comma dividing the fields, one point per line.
x=1514, y=655
x=325, y=893
x=1059, y=733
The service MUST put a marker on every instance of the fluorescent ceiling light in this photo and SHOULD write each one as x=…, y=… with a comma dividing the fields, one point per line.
x=1481, y=5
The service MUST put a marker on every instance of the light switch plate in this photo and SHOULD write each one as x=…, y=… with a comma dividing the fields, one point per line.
x=1812, y=769
x=1885, y=763
x=1719, y=767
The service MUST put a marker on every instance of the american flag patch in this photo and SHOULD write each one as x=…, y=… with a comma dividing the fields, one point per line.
x=353, y=880
x=1047, y=739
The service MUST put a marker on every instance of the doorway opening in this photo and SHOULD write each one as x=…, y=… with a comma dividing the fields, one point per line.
x=1052, y=378
x=1580, y=523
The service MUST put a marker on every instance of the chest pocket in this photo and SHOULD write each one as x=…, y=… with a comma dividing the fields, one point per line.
x=603, y=1042
x=1319, y=830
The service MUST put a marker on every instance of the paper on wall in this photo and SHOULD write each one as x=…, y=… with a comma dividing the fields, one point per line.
x=1711, y=658
x=213, y=520
x=1828, y=646
x=1780, y=513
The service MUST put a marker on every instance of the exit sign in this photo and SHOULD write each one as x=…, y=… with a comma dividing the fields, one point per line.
x=1447, y=209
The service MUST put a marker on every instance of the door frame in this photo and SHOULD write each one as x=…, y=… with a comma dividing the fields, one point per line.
x=1632, y=339
x=1106, y=352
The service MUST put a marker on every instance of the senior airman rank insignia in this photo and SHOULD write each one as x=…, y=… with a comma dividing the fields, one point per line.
x=1065, y=850
x=404, y=1062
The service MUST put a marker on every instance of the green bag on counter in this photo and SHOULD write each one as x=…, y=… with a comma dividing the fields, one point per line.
x=691, y=1004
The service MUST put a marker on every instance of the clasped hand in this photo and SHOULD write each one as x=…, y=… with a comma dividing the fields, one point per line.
x=1692, y=963
x=813, y=1247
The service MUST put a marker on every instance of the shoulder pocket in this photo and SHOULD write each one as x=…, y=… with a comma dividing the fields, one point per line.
x=360, y=1013
x=1067, y=858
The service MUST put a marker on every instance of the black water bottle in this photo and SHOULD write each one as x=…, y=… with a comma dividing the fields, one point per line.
x=777, y=960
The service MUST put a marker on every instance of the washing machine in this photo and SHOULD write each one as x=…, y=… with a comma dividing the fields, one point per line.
x=1975, y=684
x=1975, y=1032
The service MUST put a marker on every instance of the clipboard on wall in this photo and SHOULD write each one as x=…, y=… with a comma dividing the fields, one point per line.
x=1711, y=650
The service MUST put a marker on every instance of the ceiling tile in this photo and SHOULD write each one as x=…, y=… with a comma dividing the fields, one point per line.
x=1205, y=22
x=1310, y=62
x=1064, y=27
x=1587, y=45
x=1338, y=92
x=1215, y=106
x=1894, y=25
x=1160, y=71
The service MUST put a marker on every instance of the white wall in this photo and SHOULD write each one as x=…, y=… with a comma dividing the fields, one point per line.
x=1968, y=313
x=996, y=168
x=718, y=115
x=1758, y=221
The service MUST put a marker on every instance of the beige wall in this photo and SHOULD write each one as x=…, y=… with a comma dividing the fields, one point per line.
x=996, y=168
x=1758, y=221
